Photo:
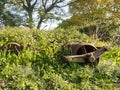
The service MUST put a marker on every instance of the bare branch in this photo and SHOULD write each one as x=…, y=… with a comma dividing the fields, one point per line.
x=54, y=4
x=28, y=3
x=34, y=3
x=44, y=3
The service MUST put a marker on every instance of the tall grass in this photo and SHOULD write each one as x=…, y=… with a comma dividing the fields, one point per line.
x=44, y=69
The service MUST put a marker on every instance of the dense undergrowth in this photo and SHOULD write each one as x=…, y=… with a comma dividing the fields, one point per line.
x=44, y=69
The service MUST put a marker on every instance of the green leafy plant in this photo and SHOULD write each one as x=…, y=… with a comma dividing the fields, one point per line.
x=40, y=67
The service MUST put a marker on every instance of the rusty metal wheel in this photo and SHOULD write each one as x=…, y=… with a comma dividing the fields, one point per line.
x=13, y=47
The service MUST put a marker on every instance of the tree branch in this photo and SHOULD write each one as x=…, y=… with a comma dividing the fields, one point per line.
x=24, y=6
x=34, y=3
x=44, y=4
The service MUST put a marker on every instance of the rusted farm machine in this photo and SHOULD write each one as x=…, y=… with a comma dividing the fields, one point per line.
x=84, y=53
x=78, y=52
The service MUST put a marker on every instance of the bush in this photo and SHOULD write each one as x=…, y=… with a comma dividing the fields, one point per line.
x=43, y=69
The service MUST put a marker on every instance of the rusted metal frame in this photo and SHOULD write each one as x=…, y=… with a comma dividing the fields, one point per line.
x=91, y=57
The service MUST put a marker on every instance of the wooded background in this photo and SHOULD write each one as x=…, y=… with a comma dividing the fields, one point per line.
x=97, y=18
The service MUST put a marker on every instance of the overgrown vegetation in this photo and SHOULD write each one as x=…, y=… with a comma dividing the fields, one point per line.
x=43, y=69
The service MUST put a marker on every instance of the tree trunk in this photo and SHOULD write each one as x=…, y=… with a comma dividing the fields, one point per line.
x=39, y=23
x=30, y=19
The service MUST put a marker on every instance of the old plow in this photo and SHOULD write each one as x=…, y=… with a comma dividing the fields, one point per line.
x=84, y=53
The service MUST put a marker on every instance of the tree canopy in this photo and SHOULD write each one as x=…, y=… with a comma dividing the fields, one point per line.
x=32, y=12
x=103, y=14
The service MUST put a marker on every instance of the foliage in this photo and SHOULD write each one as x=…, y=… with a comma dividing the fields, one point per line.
x=100, y=14
x=44, y=69
x=9, y=17
x=40, y=11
